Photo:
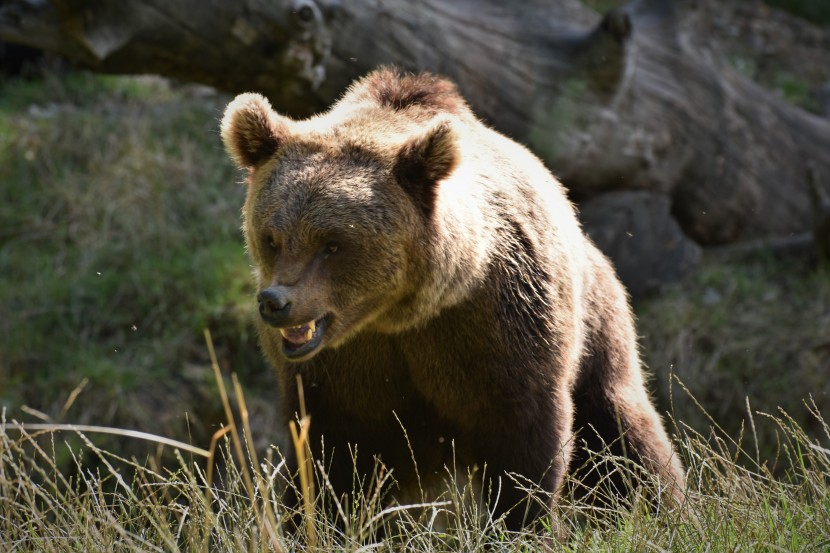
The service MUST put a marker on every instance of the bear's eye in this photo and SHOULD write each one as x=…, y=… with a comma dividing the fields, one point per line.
x=272, y=244
x=331, y=248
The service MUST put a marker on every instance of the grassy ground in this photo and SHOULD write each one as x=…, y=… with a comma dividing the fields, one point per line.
x=187, y=507
x=742, y=337
x=119, y=244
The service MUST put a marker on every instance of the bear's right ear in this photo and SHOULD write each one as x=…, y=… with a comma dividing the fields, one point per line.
x=252, y=131
x=423, y=162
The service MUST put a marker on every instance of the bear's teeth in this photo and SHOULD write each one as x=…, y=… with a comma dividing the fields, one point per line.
x=301, y=333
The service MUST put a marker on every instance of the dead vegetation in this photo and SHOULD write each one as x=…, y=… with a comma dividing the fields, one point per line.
x=224, y=499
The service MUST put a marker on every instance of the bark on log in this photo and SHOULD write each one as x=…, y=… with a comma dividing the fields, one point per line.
x=620, y=102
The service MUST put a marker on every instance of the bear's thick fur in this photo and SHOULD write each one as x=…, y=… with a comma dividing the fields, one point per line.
x=428, y=279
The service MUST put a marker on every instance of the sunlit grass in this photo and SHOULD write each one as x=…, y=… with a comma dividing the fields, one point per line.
x=223, y=499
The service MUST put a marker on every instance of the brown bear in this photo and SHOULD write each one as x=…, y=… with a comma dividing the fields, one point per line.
x=428, y=279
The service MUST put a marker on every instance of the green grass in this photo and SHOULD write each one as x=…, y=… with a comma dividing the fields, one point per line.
x=796, y=91
x=80, y=89
x=742, y=336
x=119, y=240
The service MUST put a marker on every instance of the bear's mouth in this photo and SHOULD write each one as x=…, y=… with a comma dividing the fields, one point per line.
x=298, y=341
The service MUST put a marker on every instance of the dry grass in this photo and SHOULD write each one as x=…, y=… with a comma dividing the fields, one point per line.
x=191, y=507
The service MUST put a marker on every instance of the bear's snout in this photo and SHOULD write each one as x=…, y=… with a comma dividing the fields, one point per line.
x=274, y=305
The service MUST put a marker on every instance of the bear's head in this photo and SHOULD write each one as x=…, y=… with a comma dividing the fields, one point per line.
x=338, y=213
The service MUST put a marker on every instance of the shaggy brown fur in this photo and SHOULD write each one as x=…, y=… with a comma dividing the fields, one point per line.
x=421, y=271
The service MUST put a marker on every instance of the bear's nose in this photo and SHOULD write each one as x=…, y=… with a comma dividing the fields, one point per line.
x=274, y=305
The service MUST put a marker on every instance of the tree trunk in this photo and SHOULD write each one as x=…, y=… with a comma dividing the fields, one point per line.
x=620, y=102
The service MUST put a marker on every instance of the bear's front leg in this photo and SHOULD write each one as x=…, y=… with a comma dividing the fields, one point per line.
x=526, y=451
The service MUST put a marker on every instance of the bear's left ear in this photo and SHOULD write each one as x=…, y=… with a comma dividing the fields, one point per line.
x=252, y=131
x=425, y=161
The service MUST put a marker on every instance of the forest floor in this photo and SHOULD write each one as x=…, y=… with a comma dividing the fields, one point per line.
x=788, y=53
